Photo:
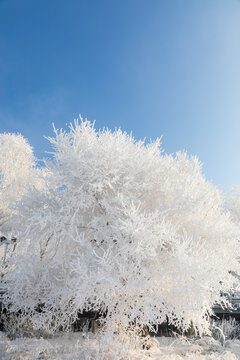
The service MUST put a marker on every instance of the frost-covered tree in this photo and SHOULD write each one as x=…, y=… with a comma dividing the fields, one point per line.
x=233, y=204
x=17, y=175
x=123, y=229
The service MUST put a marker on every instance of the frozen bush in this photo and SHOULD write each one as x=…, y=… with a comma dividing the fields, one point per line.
x=123, y=229
x=225, y=329
x=18, y=175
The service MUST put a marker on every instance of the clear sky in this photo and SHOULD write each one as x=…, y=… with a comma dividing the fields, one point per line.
x=156, y=67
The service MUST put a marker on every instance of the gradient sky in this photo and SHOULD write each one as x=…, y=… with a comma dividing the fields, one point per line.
x=156, y=67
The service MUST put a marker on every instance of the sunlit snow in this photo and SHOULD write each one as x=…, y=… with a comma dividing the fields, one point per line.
x=70, y=347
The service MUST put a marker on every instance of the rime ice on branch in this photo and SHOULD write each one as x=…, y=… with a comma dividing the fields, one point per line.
x=124, y=229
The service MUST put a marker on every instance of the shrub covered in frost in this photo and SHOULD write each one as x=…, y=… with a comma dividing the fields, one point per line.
x=225, y=329
x=123, y=229
x=17, y=175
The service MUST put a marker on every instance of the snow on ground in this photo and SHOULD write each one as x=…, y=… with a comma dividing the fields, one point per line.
x=70, y=347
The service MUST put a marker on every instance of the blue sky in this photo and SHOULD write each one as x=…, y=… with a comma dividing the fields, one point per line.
x=154, y=67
